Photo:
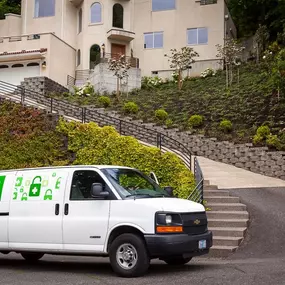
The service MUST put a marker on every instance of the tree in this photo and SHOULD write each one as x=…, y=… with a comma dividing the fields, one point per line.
x=261, y=39
x=120, y=67
x=181, y=60
x=230, y=54
x=9, y=6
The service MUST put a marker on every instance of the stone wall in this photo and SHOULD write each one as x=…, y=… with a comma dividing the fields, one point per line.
x=42, y=85
x=104, y=80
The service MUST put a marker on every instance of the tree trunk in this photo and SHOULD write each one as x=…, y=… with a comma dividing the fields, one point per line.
x=118, y=89
x=179, y=79
x=227, y=76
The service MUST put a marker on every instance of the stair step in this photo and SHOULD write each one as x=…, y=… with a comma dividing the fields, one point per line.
x=228, y=232
x=228, y=223
x=227, y=215
x=221, y=251
x=213, y=193
x=226, y=206
x=221, y=199
x=210, y=187
x=226, y=241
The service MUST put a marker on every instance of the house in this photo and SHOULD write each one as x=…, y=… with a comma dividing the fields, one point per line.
x=73, y=39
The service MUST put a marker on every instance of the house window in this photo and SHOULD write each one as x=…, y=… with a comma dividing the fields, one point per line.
x=80, y=21
x=44, y=8
x=153, y=40
x=78, y=57
x=33, y=64
x=96, y=13
x=161, y=5
x=4, y=66
x=197, y=36
x=17, y=65
x=118, y=16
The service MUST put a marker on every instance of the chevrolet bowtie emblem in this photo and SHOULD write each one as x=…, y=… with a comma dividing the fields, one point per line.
x=197, y=222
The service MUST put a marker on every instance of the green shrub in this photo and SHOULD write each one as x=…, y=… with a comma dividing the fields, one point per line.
x=263, y=131
x=196, y=121
x=131, y=108
x=161, y=115
x=257, y=139
x=168, y=123
x=273, y=141
x=104, y=101
x=95, y=145
x=226, y=126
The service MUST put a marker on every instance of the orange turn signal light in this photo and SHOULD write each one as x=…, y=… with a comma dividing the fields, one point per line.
x=169, y=229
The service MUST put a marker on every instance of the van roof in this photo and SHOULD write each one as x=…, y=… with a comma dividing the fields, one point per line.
x=67, y=167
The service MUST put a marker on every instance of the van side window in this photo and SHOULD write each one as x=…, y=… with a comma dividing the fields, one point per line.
x=82, y=182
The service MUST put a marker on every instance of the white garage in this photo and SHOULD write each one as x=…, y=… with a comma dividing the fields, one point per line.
x=16, y=72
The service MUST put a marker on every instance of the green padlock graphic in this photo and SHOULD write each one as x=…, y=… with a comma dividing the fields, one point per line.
x=15, y=195
x=24, y=197
x=57, y=184
x=35, y=188
x=48, y=195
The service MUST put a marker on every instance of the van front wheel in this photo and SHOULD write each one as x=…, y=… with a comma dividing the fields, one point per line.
x=129, y=256
x=32, y=257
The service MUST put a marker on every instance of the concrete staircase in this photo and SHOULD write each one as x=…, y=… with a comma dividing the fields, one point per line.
x=227, y=219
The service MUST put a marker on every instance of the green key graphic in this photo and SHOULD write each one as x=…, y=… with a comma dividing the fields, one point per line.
x=2, y=180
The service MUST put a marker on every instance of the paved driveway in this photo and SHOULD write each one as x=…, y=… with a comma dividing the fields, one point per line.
x=261, y=260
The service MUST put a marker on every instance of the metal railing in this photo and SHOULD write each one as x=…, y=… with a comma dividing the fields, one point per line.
x=197, y=193
x=86, y=114
x=70, y=81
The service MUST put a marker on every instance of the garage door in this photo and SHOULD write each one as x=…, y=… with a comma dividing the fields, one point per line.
x=16, y=73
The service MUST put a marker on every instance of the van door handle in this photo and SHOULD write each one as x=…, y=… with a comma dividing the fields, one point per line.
x=56, y=209
x=66, y=209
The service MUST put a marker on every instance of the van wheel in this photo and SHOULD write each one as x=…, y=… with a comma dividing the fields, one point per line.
x=32, y=257
x=177, y=260
x=129, y=256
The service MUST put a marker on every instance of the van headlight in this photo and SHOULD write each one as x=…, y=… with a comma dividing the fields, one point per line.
x=168, y=223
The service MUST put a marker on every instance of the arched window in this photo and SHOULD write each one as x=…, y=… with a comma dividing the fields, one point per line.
x=118, y=16
x=4, y=66
x=96, y=13
x=80, y=21
x=95, y=54
x=33, y=64
x=78, y=57
x=17, y=65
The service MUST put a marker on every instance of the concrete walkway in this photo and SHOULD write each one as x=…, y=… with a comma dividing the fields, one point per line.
x=226, y=176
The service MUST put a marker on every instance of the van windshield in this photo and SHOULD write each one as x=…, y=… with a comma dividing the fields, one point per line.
x=131, y=183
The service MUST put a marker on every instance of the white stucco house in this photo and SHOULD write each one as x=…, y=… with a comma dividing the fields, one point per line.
x=66, y=39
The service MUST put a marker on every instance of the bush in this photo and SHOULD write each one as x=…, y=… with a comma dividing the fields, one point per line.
x=95, y=145
x=161, y=115
x=263, y=131
x=168, y=123
x=131, y=108
x=196, y=121
x=226, y=126
x=208, y=72
x=273, y=141
x=104, y=101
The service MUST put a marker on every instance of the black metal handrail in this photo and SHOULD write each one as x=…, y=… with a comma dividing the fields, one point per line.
x=197, y=194
x=88, y=114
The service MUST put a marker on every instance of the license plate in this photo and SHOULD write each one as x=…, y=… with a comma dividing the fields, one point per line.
x=202, y=244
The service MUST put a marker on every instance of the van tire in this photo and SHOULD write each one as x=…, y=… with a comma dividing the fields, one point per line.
x=135, y=247
x=32, y=257
x=177, y=260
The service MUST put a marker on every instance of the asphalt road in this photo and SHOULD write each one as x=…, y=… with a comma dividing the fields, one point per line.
x=259, y=261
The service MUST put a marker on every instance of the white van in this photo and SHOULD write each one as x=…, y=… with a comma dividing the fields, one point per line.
x=99, y=211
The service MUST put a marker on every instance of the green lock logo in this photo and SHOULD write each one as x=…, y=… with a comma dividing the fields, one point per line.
x=35, y=188
x=15, y=195
x=2, y=180
x=19, y=181
x=24, y=197
x=48, y=195
x=57, y=184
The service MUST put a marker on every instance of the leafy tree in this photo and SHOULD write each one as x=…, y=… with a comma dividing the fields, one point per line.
x=181, y=60
x=120, y=67
x=9, y=6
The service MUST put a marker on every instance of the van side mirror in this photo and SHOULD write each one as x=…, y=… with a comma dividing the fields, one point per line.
x=97, y=191
x=169, y=190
